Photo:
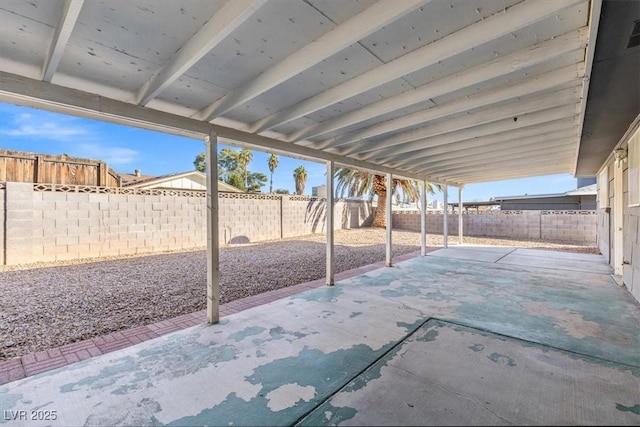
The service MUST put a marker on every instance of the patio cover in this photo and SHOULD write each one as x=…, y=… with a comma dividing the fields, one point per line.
x=453, y=91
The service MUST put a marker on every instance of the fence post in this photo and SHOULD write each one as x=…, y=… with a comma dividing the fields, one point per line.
x=39, y=169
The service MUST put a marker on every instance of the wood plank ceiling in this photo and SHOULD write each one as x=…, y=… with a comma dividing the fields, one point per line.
x=455, y=91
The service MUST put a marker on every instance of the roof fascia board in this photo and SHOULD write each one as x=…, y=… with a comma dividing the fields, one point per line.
x=594, y=23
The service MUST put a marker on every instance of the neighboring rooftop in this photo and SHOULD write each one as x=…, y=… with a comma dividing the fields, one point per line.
x=190, y=180
x=589, y=190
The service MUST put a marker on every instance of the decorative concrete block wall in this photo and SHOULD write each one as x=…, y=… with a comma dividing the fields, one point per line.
x=558, y=226
x=72, y=225
x=245, y=218
x=45, y=222
x=302, y=215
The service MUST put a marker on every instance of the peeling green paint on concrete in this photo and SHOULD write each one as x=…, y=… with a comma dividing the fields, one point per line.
x=326, y=294
x=327, y=313
x=247, y=332
x=373, y=372
x=8, y=401
x=330, y=416
x=634, y=409
x=411, y=327
x=392, y=293
x=501, y=358
x=107, y=376
x=325, y=372
x=142, y=413
x=311, y=367
x=270, y=364
x=425, y=336
x=279, y=332
x=139, y=377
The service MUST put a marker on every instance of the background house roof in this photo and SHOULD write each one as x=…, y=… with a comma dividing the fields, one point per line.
x=452, y=91
x=589, y=190
x=129, y=179
x=173, y=180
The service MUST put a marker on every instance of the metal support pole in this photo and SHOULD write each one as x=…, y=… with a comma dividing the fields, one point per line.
x=445, y=219
x=460, y=231
x=423, y=219
x=213, y=250
x=330, y=206
x=618, y=218
x=389, y=220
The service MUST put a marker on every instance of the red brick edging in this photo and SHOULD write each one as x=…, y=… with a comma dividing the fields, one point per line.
x=46, y=360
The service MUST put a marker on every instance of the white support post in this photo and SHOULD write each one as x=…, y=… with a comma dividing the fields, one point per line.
x=445, y=219
x=618, y=208
x=389, y=220
x=423, y=219
x=330, y=206
x=213, y=250
x=460, y=231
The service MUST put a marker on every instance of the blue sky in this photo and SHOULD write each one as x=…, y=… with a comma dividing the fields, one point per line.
x=126, y=149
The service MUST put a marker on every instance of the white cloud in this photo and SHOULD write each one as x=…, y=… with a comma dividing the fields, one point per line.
x=78, y=136
x=46, y=126
x=113, y=156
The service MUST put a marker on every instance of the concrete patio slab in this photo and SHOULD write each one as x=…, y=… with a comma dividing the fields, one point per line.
x=599, y=259
x=276, y=363
x=581, y=312
x=497, y=249
x=469, y=254
x=559, y=262
x=269, y=365
x=445, y=374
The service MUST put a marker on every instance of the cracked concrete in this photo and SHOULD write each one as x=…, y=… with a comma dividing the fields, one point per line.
x=434, y=340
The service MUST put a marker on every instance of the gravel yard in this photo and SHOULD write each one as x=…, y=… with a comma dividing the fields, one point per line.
x=49, y=305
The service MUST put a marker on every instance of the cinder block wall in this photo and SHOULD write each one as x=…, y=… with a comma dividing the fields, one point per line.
x=562, y=226
x=18, y=222
x=79, y=225
x=245, y=218
x=84, y=222
x=303, y=215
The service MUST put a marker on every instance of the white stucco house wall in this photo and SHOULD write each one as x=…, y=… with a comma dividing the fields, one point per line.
x=191, y=180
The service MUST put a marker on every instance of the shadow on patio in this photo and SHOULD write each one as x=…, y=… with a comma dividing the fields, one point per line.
x=467, y=335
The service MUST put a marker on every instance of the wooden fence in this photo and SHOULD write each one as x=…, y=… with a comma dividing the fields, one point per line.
x=18, y=166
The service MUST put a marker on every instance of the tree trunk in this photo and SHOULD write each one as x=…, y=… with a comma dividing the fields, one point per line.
x=380, y=215
x=271, y=184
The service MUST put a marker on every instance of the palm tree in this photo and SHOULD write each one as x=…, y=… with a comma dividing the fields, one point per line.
x=356, y=184
x=300, y=175
x=244, y=158
x=273, y=164
x=200, y=162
